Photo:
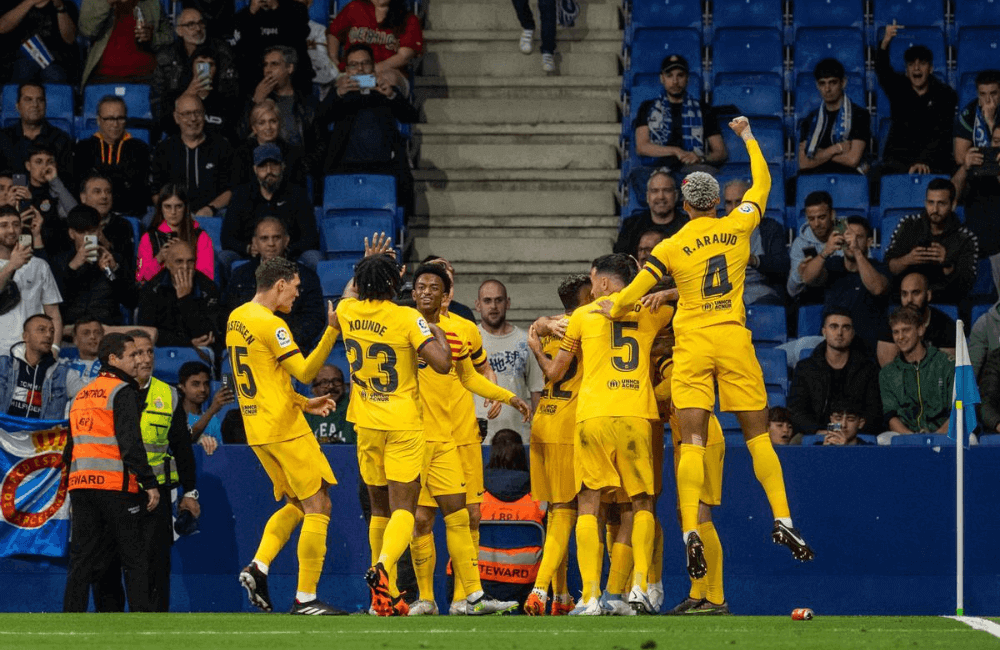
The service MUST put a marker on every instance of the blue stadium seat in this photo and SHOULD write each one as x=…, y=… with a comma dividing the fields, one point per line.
x=136, y=98
x=335, y=274
x=849, y=191
x=990, y=440
x=756, y=50
x=776, y=398
x=338, y=357
x=136, y=224
x=811, y=439
x=169, y=361
x=983, y=290
x=770, y=136
x=675, y=14
x=814, y=44
x=922, y=440
x=810, y=320
x=319, y=11
x=213, y=227
x=807, y=97
x=767, y=323
x=649, y=46
x=221, y=415
x=346, y=233
x=58, y=106
x=746, y=13
x=910, y=12
x=730, y=425
x=774, y=363
x=733, y=437
x=905, y=190
x=950, y=310
x=776, y=198
x=981, y=13
x=359, y=191
x=829, y=13
x=976, y=46
x=751, y=94
x=978, y=311
x=967, y=89
x=891, y=219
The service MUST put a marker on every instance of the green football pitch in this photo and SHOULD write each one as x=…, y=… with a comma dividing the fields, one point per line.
x=273, y=631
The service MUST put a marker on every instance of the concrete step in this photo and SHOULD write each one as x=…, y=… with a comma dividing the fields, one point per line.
x=511, y=45
x=478, y=203
x=442, y=223
x=518, y=156
x=513, y=36
x=548, y=139
x=541, y=229
x=514, y=111
x=498, y=15
x=532, y=299
x=612, y=129
x=474, y=250
x=515, y=64
x=529, y=179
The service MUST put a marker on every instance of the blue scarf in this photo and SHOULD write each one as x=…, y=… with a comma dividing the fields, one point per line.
x=841, y=127
x=980, y=132
x=692, y=127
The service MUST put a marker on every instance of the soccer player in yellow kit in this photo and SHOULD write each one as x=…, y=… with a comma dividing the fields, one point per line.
x=384, y=342
x=551, y=450
x=612, y=448
x=445, y=476
x=263, y=355
x=708, y=258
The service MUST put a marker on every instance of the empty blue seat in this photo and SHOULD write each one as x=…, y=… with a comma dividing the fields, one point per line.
x=58, y=106
x=776, y=398
x=335, y=274
x=905, y=190
x=829, y=13
x=978, y=311
x=136, y=97
x=983, y=290
x=676, y=14
x=746, y=13
x=774, y=364
x=910, y=13
x=747, y=50
x=950, y=310
x=849, y=191
x=767, y=323
x=976, y=13
x=776, y=198
x=891, y=219
x=807, y=97
x=169, y=361
x=650, y=46
x=730, y=425
x=814, y=44
x=359, y=191
x=990, y=439
x=319, y=11
x=770, y=136
x=922, y=440
x=751, y=94
x=810, y=320
x=213, y=227
x=978, y=48
x=346, y=233
x=338, y=357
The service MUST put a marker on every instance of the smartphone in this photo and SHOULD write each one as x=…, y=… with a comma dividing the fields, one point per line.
x=990, y=166
x=840, y=225
x=925, y=242
x=204, y=69
x=365, y=80
x=140, y=19
x=810, y=251
x=227, y=380
x=25, y=240
x=90, y=242
x=19, y=180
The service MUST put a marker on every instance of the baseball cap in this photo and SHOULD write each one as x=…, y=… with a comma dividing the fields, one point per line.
x=265, y=152
x=674, y=62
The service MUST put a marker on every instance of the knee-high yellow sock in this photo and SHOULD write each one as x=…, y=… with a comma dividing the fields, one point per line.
x=276, y=533
x=312, y=551
x=690, y=479
x=396, y=538
x=767, y=469
x=376, y=530
x=464, y=556
x=422, y=552
x=621, y=567
x=460, y=593
x=560, y=587
x=589, y=555
x=610, y=535
x=643, y=533
x=713, y=557
x=561, y=523
x=656, y=564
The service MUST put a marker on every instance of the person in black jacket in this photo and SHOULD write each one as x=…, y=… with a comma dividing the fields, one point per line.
x=262, y=24
x=838, y=371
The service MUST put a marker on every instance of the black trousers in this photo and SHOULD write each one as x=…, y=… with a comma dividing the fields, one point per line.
x=104, y=525
x=547, y=14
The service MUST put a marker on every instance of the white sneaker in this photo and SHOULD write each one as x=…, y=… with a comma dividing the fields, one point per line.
x=614, y=605
x=424, y=608
x=589, y=608
x=548, y=62
x=527, y=36
x=655, y=593
x=639, y=601
x=459, y=607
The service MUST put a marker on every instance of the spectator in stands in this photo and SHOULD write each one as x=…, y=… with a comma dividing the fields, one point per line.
x=939, y=327
x=172, y=222
x=392, y=34
x=89, y=275
x=196, y=159
x=263, y=24
x=114, y=153
x=39, y=41
x=265, y=124
x=984, y=338
x=935, y=243
x=308, y=316
x=194, y=382
x=219, y=16
x=547, y=16
x=839, y=371
x=123, y=35
x=6, y=183
x=779, y=426
x=116, y=232
x=977, y=182
x=49, y=194
x=647, y=242
x=33, y=380
x=19, y=197
x=221, y=102
x=922, y=109
x=847, y=421
x=768, y=266
x=989, y=392
x=677, y=130
x=270, y=195
x=297, y=111
x=87, y=335
x=334, y=428
x=662, y=215
x=33, y=130
x=975, y=123
x=365, y=138
x=33, y=290
x=916, y=385
x=813, y=237
x=506, y=347
x=833, y=138
x=181, y=302
x=324, y=70
x=175, y=66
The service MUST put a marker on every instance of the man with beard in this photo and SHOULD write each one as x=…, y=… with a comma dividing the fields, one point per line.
x=332, y=428
x=663, y=214
x=939, y=327
x=270, y=195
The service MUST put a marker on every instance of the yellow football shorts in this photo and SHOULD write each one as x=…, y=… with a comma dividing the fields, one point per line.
x=385, y=456
x=296, y=467
x=443, y=472
x=614, y=452
x=719, y=353
x=552, y=474
x=472, y=463
x=715, y=455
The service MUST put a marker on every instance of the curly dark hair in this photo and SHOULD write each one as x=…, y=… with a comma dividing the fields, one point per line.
x=377, y=278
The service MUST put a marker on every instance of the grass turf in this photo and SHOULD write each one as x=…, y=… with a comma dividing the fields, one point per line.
x=274, y=631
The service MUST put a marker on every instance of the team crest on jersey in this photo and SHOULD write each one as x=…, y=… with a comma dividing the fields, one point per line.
x=747, y=208
x=158, y=403
x=424, y=329
x=284, y=339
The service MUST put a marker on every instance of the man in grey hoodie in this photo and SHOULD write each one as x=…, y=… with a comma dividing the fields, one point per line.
x=813, y=238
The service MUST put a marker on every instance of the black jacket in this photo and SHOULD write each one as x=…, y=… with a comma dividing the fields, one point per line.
x=125, y=164
x=962, y=252
x=254, y=33
x=206, y=177
x=290, y=203
x=178, y=441
x=180, y=319
x=342, y=112
x=811, y=394
x=173, y=75
x=639, y=223
x=88, y=291
x=14, y=148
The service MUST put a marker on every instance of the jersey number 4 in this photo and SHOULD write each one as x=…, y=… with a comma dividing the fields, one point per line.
x=716, y=282
x=388, y=382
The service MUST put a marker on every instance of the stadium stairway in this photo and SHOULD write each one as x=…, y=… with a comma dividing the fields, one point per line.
x=517, y=170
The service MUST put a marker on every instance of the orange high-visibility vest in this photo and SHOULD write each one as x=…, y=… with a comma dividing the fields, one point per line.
x=97, y=461
x=511, y=565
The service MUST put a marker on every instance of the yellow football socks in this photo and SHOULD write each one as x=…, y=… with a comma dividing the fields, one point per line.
x=559, y=585
x=589, y=555
x=312, y=551
x=643, y=533
x=621, y=567
x=713, y=558
x=561, y=521
x=376, y=529
x=767, y=469
x=422, y=552
x=690, y=478
x=656, y=563
x=464, y=555
x=396, y=538
x=460, y=592
x=276, y=533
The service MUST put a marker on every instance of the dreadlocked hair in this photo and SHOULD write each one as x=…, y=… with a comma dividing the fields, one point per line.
x=376, y=278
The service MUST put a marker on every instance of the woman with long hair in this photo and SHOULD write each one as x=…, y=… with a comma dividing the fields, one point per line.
x=172, y=221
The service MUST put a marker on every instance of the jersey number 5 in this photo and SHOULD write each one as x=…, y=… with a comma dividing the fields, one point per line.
x=619, y=339
x=389, y=381
x=248, y=387
x=716, y=281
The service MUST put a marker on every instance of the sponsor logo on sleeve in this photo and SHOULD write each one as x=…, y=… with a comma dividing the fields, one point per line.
x=283, y=337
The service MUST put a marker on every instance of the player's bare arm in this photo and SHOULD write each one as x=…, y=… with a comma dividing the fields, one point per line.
x=554, y=369
x=322, y=406
x=654, y=301
x=437, y=353
x=551, y=326
x=522, y=407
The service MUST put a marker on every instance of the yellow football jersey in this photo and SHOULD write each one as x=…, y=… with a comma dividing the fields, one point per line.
x=436, y=389
x=463, y=405
x=616, y=362
x=555, y=417
x=258, y=341
x=382, y=340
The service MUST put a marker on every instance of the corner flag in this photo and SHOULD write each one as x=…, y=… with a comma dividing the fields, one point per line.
x=965, y=393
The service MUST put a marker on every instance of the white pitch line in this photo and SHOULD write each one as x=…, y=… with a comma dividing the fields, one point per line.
x=164, y=633
x=977, y=623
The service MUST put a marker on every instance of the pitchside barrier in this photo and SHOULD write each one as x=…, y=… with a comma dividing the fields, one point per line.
x=881, y=519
